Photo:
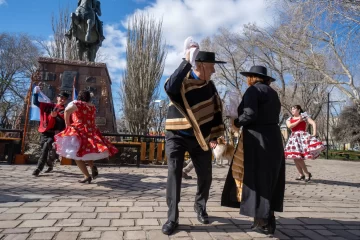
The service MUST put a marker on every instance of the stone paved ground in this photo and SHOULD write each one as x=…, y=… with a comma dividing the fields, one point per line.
x=129, y=203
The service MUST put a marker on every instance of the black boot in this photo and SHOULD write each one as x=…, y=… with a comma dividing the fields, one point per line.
x=202, y=215
x=169, y=227
x=49, y=170
x=36, y=172
x=94, y=172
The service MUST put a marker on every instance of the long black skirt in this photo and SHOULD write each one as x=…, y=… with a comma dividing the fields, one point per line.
x=264, y=174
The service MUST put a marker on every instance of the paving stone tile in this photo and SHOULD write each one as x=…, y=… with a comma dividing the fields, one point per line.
x=83, y=215
x=135, y=235
x=48, y=229
x=65, y=204
x=9, y=224
x=201, y=236
x=121, y=204
x=69, y=223
x=42, y=236
x=10, y=204
x=112, y=235
x=132, y=215
x=345, y=234
x=32, y=216
x=108, y=215
x=90, y=235
x=36, y=204
x=3, y=210
x=96, y=223
x=157, y=235
x=122, y=223
x=9, y=216
x=355, y=232
x=147, y=222
x=37, y=223
x=155, y=214
x=21, y=210
x=94, y=204
x=325, y=232
x=16, y=237
x=146, y=204
x=16, y=230
x=105, y=229
x=53, y=209
x=137, y=228
x=111, y=209
x=81, y=209
x=141, y=209
x=67, y=236
x=76, y=229
x=58, y=215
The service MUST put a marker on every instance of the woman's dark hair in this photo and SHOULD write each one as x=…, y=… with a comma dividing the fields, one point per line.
x=84, y=96
x=298, y=107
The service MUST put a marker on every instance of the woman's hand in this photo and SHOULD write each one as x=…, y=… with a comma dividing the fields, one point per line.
x=232, y=125
x=213, y=144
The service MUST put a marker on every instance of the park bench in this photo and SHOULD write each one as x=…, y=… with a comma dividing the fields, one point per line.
x=136, y=145
x=11, y=144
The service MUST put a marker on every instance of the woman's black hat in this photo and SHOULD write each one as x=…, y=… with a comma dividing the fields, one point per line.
x=259, y=71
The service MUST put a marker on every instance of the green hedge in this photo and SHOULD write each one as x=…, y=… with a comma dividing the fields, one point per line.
x=342, y=155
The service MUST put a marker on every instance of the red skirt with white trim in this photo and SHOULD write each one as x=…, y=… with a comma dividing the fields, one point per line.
x=301, y=145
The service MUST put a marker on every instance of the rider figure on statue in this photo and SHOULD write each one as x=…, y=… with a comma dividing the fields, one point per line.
x=98, y=24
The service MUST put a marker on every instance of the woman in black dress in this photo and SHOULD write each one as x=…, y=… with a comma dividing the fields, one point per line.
x=263, y=185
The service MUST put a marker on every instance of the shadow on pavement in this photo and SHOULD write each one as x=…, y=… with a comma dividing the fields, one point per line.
x=287, y=228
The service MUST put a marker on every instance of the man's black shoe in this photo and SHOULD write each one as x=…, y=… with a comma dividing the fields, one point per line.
x=169, y=227
x=36, y=172
x=202, y=215
x=49, y=170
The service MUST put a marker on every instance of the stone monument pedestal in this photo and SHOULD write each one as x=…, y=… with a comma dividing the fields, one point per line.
x=64, y=75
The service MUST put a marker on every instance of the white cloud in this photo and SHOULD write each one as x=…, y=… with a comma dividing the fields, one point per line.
x=2, y=2
x=183, y=18
x=202, y=18
x=113, y=51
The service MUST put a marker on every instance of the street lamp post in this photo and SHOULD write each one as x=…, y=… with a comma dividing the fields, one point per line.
x=327, y=126
x=327, y=122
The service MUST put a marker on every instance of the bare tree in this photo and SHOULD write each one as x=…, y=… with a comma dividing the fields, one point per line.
x=145, y=57
x=60, y=46
x=323, y=36
x=158, y=113
x=18, y=55
x=347, y=129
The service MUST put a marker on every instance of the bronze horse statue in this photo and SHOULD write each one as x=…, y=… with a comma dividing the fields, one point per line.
x=86, y=28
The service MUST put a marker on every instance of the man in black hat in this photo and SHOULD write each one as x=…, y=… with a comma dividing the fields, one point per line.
x=193, y=123
x=51, y=122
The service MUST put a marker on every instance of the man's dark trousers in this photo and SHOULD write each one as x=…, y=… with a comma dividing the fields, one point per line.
x=175, y=148
x=46, y=141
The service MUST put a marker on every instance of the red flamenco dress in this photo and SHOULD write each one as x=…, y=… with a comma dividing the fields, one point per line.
x=301, y=145
x=83, y=140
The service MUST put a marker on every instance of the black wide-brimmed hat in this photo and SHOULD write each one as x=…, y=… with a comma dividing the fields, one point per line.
x=63, y=94
x=259, y=71
x=208, y=57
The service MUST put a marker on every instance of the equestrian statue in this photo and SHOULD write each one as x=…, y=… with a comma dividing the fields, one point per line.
x=87, y=29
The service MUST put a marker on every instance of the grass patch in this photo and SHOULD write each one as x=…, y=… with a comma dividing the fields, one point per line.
x=342, y=155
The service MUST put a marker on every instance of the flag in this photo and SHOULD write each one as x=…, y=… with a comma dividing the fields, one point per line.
x=34, y=110
x=75, y=94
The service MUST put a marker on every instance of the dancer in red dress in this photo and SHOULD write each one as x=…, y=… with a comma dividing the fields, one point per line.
x=82, y=140
x=301, y=145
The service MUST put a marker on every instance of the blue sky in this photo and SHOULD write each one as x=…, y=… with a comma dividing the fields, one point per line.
x=34, y=16
x=181, y=18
